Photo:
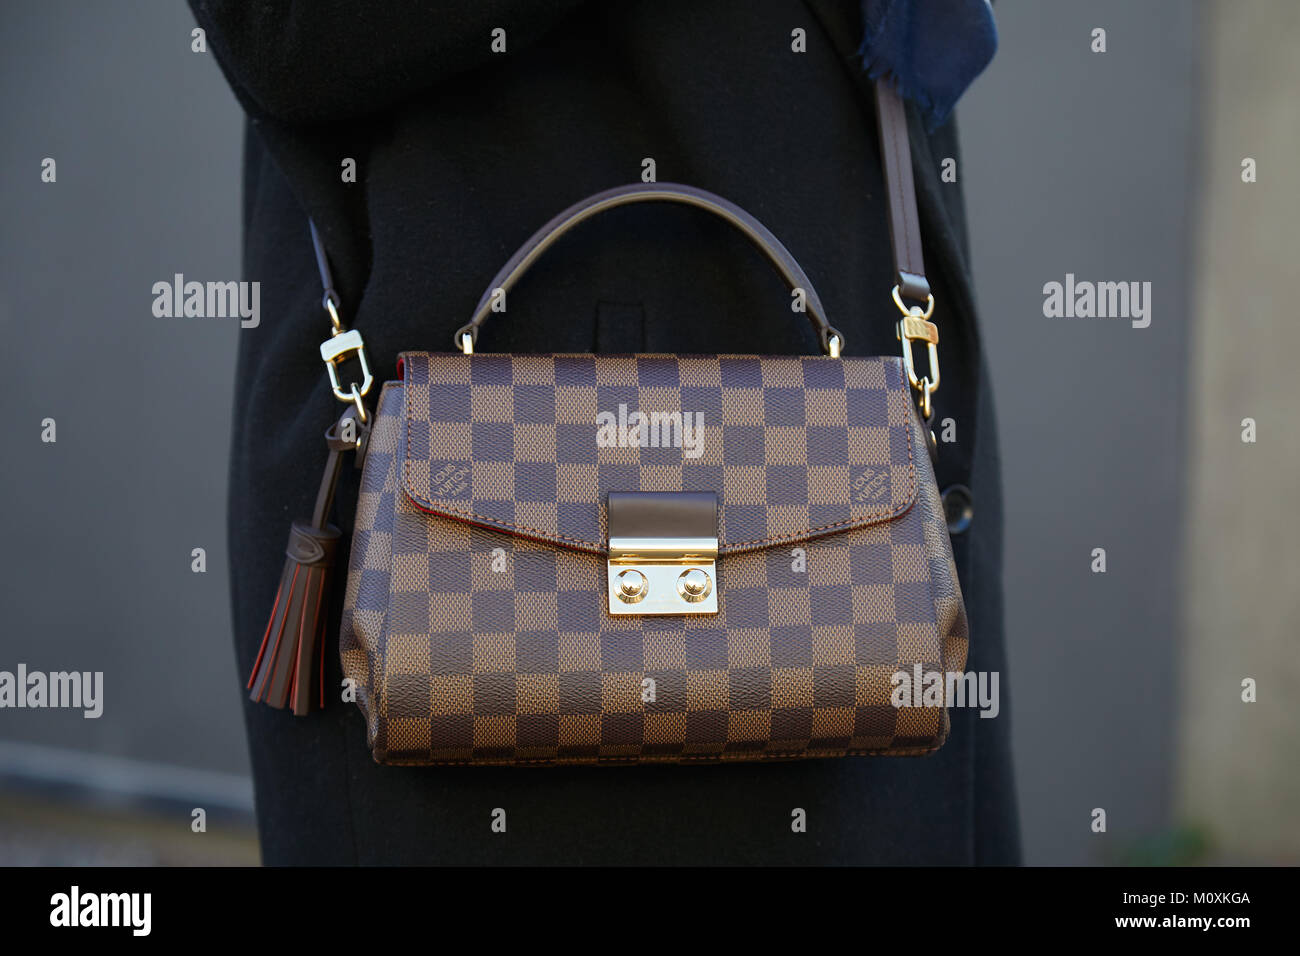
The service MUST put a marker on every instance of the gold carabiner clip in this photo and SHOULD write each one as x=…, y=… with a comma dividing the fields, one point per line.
x=333, y=351
x=915, y=326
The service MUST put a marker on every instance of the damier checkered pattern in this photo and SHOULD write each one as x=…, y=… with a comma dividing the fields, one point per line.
x=458, y=663
x=791, y=445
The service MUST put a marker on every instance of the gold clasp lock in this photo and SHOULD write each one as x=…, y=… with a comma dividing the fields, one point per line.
x=663, y=552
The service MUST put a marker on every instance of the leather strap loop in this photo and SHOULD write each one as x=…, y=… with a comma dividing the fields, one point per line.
x=754, y=230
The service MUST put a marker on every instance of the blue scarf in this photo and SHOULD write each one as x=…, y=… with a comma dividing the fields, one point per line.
x=933, y=49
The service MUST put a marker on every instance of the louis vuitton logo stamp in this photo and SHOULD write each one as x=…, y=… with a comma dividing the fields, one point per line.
x=869, y=485
x=450, y=480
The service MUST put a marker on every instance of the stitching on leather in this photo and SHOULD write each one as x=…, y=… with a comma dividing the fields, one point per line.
x=595, y=547
x=757, y=543
x=856, y=522
x=553, y=537
x=427, y=506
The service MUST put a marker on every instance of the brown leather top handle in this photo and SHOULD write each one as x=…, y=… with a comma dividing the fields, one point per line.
x=904, y=228
x=505, y=279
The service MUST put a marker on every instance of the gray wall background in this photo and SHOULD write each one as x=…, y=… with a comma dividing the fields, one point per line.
x=1073, y=162
x=99, y=526
x=1081, y=162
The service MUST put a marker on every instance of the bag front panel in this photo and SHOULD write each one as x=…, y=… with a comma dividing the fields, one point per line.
x=472, y=644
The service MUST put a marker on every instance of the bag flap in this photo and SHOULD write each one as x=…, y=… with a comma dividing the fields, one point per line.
x=794, y=447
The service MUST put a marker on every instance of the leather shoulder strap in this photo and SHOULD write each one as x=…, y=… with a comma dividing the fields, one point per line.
x=904, y=223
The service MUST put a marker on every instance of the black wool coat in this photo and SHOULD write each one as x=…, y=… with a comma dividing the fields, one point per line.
x=461, y=152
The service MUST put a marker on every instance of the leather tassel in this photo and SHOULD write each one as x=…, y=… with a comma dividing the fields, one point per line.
x=292, y=657
x=292, y=652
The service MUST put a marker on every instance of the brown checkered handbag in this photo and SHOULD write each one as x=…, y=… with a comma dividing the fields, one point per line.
x=633, y=558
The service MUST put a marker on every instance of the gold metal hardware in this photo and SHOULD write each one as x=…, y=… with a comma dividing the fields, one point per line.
x=662, y=576
x=632, y=585
x=360, y=406
x=333, y=351
x=915, y=326
x=919, y=330
x=694, y=585
x=833, y=346
x=332, y=307
x=670, y=573
x=467, y=343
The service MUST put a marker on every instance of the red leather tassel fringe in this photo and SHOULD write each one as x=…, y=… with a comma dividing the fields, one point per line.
x=292, y=655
